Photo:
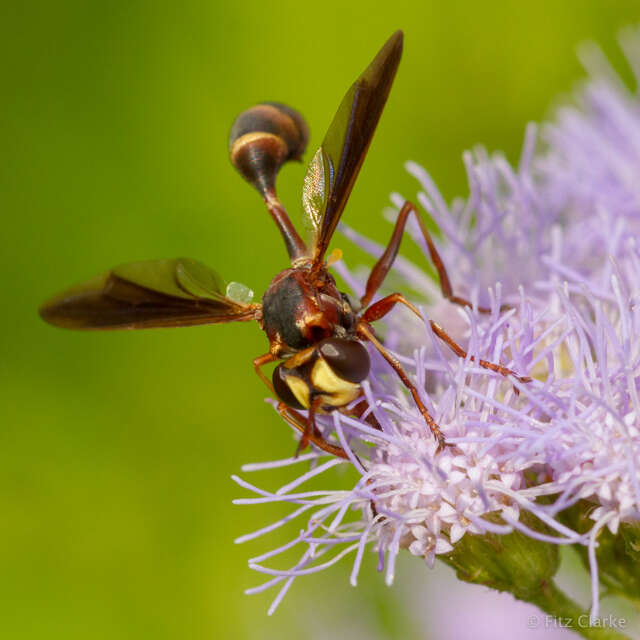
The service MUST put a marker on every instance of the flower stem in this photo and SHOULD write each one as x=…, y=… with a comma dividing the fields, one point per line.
x=564, y=612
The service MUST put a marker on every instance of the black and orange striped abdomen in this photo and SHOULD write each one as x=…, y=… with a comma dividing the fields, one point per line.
x=263, y=138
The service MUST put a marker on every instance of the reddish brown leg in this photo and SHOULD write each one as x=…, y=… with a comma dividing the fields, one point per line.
x=301, y=423
x=365, y=332
x=359, y=410
x=310, y=427
x=382, y=307
x=459, y=351
x=381, y=268
x=258, y=363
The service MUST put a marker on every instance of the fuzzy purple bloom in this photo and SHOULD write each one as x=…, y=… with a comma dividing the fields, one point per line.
x=556, y=239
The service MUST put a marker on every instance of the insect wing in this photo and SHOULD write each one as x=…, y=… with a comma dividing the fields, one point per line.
x=153, y=293
x=335, y=166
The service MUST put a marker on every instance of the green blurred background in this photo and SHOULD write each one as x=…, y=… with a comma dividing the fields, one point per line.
x=117, y=449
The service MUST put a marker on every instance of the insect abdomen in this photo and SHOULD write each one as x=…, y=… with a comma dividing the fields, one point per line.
x=263, y=138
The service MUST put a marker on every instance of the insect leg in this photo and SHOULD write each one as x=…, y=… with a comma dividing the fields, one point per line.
x=459, y=351
x=259, y=362
x=365, y=332
x=383, y=306
x=380, y=308
x=360, y=409
x=310, y=427
x=299, y=422
x=381, y=268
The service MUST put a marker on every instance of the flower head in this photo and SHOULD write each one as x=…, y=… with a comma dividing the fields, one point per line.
x=556, y=240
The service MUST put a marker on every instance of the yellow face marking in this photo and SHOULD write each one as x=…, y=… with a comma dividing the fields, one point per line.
x=300, y=390
x=336, y=391
x=341, y=399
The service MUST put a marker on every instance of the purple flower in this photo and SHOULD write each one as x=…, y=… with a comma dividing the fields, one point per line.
x=556, y=239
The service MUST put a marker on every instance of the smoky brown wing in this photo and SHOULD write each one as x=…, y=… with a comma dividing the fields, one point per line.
x=111, y=301
x=348, y=138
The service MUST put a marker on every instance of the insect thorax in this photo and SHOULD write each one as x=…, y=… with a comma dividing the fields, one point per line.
x=300, y=309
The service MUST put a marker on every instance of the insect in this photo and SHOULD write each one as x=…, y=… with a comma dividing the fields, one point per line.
x=316, y=332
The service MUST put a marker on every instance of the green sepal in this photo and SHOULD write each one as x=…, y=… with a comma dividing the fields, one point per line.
x=512, y=562
x=524, y=567
x=618, y=555
x=630, y=532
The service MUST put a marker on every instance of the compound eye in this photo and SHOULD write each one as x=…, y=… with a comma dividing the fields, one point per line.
x=282, y=389
x=349, y=359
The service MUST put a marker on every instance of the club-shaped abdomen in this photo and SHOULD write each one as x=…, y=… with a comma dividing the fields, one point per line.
x=262, y=139
x=333, y=372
